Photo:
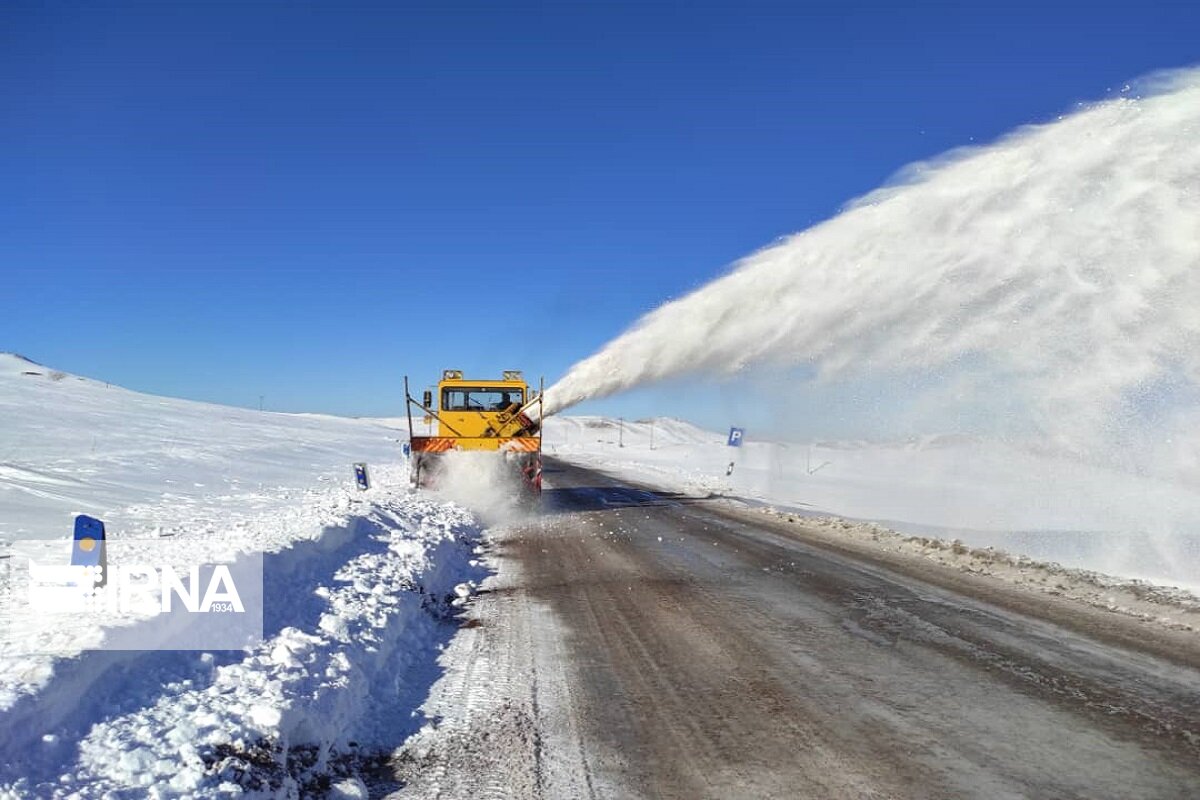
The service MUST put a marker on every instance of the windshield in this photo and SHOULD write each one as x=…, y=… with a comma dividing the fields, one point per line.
x=480, y=399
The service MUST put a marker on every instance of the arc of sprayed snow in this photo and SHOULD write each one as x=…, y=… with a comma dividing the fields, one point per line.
x=1066, y=257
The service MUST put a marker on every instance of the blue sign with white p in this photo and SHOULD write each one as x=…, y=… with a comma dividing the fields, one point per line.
x=735, y=436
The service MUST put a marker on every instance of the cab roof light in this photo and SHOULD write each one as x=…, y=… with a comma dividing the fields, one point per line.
x=513, y=375
x=452, y=374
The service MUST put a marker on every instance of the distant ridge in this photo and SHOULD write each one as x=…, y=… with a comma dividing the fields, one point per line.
x=19, y=357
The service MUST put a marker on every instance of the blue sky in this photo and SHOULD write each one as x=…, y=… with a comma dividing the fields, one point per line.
x=306, y=201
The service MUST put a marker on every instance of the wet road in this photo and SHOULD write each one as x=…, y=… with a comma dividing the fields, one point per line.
x=701, y=652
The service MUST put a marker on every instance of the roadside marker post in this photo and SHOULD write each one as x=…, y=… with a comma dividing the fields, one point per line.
x=90, y=549
x=361, y=477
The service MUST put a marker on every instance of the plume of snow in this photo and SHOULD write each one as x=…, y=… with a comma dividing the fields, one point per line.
x=484, y=482
x=1062, y=262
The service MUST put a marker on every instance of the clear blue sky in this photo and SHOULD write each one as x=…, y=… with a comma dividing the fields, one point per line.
x=305, y=201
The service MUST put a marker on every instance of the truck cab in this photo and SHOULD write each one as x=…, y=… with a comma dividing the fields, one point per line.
x=479, y=414
x=485, y=409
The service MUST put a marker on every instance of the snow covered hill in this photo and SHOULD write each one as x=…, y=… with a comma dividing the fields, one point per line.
x=1022, y=499
x=358, y=592
x=149, y=465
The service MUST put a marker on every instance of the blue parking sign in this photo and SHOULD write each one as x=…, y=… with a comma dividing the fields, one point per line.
x=735, y=436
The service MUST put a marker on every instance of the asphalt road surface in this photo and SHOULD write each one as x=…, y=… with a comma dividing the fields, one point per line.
x=649, y=645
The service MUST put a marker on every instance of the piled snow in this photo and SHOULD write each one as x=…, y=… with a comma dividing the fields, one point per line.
x=347, y=686
x=1166, y=607
x=1024, y=500
x=321, y=697
x=359, y=591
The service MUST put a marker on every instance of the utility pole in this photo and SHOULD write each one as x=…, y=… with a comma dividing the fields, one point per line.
x=620, y=431
x=652, y=433
x=260, y=402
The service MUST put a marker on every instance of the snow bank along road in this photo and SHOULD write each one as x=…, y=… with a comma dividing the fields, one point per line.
x=641, y=644
x=354, y=622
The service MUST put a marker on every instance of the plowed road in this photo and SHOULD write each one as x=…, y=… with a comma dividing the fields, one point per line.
x=650, y=646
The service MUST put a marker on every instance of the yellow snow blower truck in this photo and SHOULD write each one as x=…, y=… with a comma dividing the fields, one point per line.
x=503, y=416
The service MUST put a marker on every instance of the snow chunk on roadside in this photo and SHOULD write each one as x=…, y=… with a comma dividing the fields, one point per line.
x=348, y=789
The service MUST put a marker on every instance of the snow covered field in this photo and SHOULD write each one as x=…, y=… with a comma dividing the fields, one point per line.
x=359, y=589
x=150, y=466
x=984, y=493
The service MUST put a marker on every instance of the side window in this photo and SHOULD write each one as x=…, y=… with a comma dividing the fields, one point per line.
x=454, y=400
